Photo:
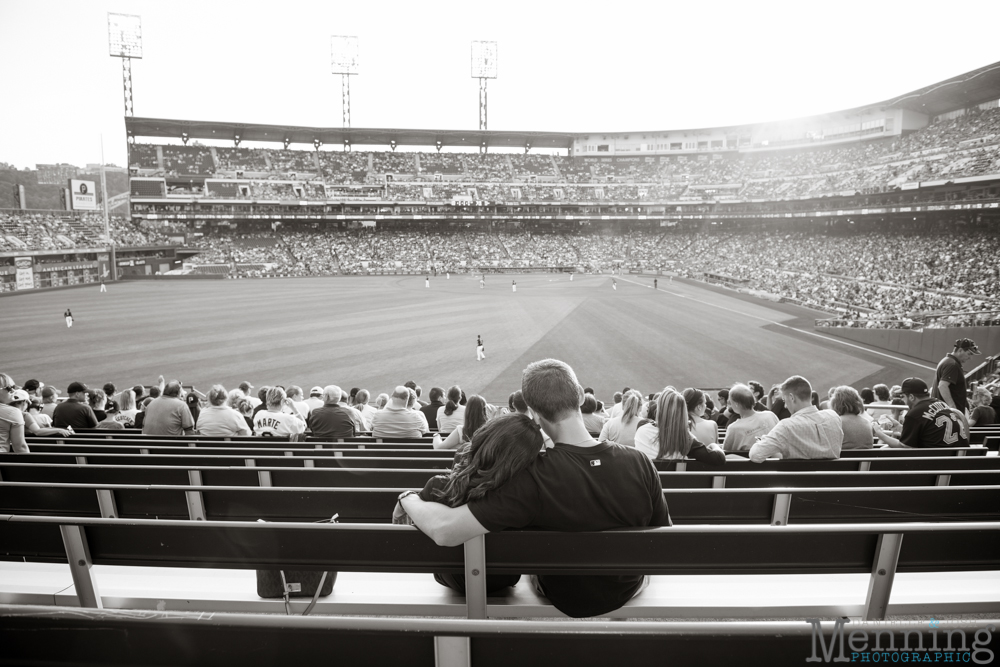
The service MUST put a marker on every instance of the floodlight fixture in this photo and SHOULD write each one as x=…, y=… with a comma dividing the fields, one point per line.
x=484, y=68
x=124, y=35
x=344, y=61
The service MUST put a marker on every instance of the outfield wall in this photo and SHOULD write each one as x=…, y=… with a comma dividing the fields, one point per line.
x=928, y=345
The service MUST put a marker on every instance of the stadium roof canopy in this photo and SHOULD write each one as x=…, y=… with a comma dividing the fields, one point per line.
x=962, y=91
x=965, y=90
x=194, y=129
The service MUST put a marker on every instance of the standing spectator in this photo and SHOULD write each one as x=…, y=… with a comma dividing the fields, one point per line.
x=279, y=419
x=74, y=412
x=11, y=419
x=397, y=420
x=332, y=421
x=930, y=422
x=809, y=433
x=431, y=409
x=949, y=379
x=751, y=426
x=669, y=437
x=218, y=419
x=855, y=422
x=622, y=491
x=168, y=414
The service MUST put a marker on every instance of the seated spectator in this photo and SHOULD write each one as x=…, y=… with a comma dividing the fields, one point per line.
x=218, y=419
x=35, y=410
x=332, y=421
x=882, y=397
x=751, y=426
x=516, y=404
x=126, y=409
x=670, y=439
x=110, y=405
x=431, y=409
x=930, y=422
x=982, y=413
x=497, y=452
x=298, y=400
x=11, y=418
x=855, y=422
x=279, y=418
x=621, y=429
x=96, y=399
x=315, y=399
x=21, y=401
x=475, y=417
x=381, y=401
x=361, y=405
x=194, y=405
x=74, y=412
x=703, y=430
x=168, y=414
x=452, y=414
x=809, y=433
x=593, y=421
x=396, y=420
x=50, y=399
x=622, y=491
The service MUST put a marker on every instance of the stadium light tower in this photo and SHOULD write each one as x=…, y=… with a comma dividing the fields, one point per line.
x=125, y=42
x=344, y=61
x=484, y=68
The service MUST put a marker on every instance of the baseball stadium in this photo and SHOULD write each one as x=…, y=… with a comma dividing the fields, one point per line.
x=710, y=395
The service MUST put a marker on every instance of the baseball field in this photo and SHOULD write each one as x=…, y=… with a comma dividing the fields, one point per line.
x=377, y=332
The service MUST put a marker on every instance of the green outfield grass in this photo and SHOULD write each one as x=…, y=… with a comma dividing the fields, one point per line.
x=378, y=332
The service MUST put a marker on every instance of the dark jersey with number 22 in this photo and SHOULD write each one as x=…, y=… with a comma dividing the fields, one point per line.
x=933, y=423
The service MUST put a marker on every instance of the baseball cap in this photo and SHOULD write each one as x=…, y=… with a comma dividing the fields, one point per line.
x=49, y=392
x=914, y=386
x=19, y=395
x=316, y=391
x=75, y=387
x=967, y=344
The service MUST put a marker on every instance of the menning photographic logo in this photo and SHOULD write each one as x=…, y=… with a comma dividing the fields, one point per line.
x=943, y=644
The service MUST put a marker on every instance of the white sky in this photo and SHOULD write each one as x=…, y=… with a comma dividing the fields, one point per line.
x=566, y=66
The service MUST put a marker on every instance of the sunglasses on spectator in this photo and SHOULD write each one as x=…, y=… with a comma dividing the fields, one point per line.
x=10, y=388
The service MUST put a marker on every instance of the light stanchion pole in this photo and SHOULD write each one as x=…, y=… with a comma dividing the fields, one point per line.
x=484, y=68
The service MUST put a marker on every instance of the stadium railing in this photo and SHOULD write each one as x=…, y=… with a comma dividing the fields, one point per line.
x=140, y=638
x=879, y=550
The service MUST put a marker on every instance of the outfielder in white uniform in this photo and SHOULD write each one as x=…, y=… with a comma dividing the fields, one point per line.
x=480, y=350
x=513, y=286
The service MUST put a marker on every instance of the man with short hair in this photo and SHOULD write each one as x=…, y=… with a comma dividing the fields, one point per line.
x=752, y=425
x=930, y=422
x=315, y=400
x=616, y=409
x=168, y=414
x=332, y=421
x=949, y=378
x=75, y=411
x=295, y=396
x=809, y=433
x=758, y=395
x=416, y=388
x=396, y=420
x=578, y=485
x=431, y=409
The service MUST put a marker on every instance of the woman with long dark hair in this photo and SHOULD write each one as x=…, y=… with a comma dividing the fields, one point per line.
x=703, y=430
x=475, y=416
x=500, y=449
x=670, y=439
x=452, y=414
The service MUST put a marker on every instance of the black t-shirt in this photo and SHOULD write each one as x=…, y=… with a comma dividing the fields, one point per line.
x=431, y=412
x=331, y=421
x=73, y=413
x=933, y=423
x=949, y=370
x=570, y=488
x=778, y=408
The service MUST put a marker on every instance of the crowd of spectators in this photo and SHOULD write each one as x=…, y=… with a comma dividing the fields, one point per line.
x=951, y=148
x=47, y=230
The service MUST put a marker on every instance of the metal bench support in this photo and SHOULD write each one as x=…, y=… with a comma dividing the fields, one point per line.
x=106, y=501
x=782, y=504
x=475, y=577
x=452, y=652
x=78, y=555
x=195, y=503
x=883, y=573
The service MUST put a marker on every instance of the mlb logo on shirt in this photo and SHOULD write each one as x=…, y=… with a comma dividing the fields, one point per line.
x=595, y=462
